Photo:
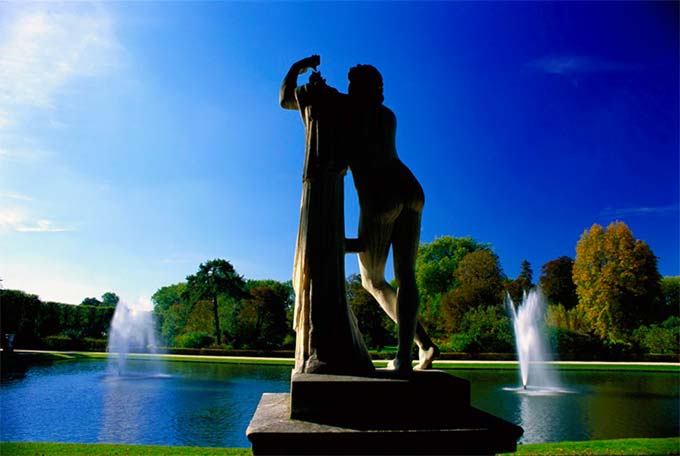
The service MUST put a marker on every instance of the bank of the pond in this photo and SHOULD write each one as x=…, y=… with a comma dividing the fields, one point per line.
x=639, y=366
x=620, y=447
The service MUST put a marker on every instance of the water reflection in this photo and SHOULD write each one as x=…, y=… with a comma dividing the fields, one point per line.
x=211, y=404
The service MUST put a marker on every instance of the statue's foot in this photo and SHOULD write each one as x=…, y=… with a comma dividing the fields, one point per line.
x=425, y=357
x=398, y=365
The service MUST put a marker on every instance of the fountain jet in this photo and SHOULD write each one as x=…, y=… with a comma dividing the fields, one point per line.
x=532, y=347
x=132, y=331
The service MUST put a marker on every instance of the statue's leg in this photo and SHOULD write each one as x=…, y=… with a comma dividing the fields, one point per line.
x=376, y=233
x=405, y=239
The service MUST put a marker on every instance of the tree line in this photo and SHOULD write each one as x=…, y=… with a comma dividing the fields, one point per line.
x=607, y=301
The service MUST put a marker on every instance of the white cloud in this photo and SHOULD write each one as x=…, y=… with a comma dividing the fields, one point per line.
x=43, y=50
x=572, y=64
x=15, y=196
x=17, y=220
x=40, y=226
x=673, y=209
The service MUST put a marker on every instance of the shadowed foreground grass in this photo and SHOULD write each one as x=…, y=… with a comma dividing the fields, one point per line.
x=621, y=447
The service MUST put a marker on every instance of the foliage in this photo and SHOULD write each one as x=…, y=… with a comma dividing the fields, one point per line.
x=261, y=318
x=213, y=278
x=480, y=283
x=436, y=264
x=110, y=299
x=484, y=329
x=376, y=327
x=557, y=283
x=571, y=344
x=616, y=280
x=32, y=320
x=196, y=339
x=171, y=310
x=91, y=302
x=663, y=338
x=670, y=288
x=573, y=319
x=438, y=260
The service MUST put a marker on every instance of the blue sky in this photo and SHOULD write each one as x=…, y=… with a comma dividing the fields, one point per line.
x=140, y=139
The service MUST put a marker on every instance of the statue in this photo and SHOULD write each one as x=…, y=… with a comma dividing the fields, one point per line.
x=328, y=340
x=358, y=131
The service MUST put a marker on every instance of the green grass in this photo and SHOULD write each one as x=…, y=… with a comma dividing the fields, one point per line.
x=620, y=447
x=584, y=366
x=94, y=449
x=467, y=365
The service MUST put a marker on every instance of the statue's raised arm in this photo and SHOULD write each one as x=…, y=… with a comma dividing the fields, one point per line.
x=287, y=98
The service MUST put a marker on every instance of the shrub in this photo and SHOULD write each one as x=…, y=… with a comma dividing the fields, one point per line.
x=197, y=339
x=570, y=344
x=484, y=330
x=663, y=338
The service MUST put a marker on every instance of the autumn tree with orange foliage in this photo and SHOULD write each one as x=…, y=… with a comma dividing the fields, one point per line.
x=617, y=281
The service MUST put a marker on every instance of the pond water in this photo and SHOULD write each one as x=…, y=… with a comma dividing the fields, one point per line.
x=203, y=404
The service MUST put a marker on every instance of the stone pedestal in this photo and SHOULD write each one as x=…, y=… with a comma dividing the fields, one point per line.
x=426, y=412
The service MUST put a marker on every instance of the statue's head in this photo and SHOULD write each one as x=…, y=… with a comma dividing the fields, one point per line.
x=365, y=83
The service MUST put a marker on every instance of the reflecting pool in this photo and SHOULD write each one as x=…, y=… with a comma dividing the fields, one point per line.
x=204, y=404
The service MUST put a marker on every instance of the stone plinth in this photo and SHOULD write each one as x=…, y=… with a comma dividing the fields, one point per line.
x=427, y=412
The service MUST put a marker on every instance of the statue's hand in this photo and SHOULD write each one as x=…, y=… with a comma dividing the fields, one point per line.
x=307, y=63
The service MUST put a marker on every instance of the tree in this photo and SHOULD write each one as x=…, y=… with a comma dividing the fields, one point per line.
x=617, y=281
x=526, y=275
x=436, y=265
x=375, y=325
x=262, y=317
x=438, y=260
x=110, y=299
x=480, y=283
x=91, y=302
x=670, y=287
x=171, y=309
x=213, y=278
x=522, y=284
x=557, y=282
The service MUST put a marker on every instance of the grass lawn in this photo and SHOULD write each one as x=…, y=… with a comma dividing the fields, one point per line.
x=669, y=446
x=447, y=365
x=86, y=449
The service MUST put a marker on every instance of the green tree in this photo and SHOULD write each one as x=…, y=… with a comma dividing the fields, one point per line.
x=484, y=329
x=522, y=284
x=557, y=282
x=480, y=283
x=436, y=265
x=617, y=281
x=213, y=278
x=262, y=317
x=670, y=288
x=110, y=299
x=171, y=309
x=91, y=302
x=375, y=325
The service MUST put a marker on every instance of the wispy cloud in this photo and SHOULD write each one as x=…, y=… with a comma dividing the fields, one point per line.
x=574, y=64
x=644, y=210
x=15, y=196
x=17, y=220
x=43, y=50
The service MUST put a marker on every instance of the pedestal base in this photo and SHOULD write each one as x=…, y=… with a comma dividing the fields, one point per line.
x=425, y=413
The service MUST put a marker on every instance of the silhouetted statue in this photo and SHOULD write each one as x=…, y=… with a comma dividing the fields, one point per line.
x=359, y=131
x=327, y=337
x=391, y=202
